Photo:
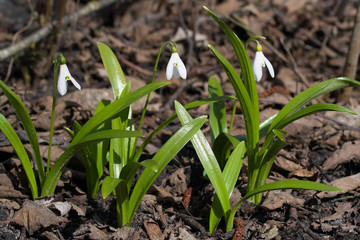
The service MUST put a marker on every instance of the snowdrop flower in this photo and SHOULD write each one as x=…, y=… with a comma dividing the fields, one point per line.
x=259, y=62
x=65, y=76
x=175, y=66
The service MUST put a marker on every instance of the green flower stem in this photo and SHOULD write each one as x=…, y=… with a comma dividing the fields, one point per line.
x=232, y=116
x=56, y=62
x=152, y=80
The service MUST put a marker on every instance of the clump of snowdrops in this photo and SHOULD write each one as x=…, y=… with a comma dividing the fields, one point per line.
x=109, y=137
x=222, y=159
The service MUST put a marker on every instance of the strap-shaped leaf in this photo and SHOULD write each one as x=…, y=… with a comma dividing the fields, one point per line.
x=113, y=69
x=15, y=141
x=243, y=58
x=28, y=126
x=320, y=107
x=167, y=152
x=309, y=94
x=172, y=117
x=249, y=112
x=207, y=159
x=231, y=173
x=108, y=185
x=106, y=113
x=217, y=115
x=114, y=108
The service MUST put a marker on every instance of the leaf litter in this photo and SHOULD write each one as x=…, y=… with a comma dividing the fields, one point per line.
x=320, y=148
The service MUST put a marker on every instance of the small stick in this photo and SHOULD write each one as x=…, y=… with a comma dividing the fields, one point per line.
x=16, y=36
x=46, y=30
x=352, y=57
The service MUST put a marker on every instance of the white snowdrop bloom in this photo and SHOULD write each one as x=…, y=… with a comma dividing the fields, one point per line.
x=260, y=61
x=175, y=66
x=64, y=76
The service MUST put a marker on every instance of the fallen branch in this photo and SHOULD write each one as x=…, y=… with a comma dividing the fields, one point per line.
x=91, y=7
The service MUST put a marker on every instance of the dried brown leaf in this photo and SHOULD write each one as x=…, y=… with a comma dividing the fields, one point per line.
x=34, y=216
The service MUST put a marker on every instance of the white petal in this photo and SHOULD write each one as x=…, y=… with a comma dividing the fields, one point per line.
x=62, y=82
x=269, y=67
x=76, y=84
x=257, y=66
x=170, y=67
x=182, y=69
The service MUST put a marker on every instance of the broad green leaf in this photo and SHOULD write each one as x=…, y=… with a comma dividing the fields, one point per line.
x=88, y=153
x=207, y=159
x=217, y=115
x=28, y=126
x=107, y=113
x=129, y=171
x=15, y=141
x=320, y=107
x=243, y=58
x=249, y=112
x=107, y=134
x=108, y=185
x=113, y=69
x=167, y=152
x=118, y=151
x=223, y=144
x=114, y=108
x=309, y=94
x=264, y=126
x=103, y=146
x=231, y=173
x=122, y=204
x=268, y=160
x=172, y=117
x=284, y=184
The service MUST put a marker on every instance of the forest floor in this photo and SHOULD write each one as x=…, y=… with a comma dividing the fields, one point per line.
x=307, y=42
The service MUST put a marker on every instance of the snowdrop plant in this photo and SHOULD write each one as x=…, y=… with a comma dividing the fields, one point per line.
x=222, y=160
x=121, y=154
x=84, y=137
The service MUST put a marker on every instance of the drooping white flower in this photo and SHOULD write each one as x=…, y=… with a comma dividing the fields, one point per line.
x=65, y=76
x=175, y=66
x=260, y=61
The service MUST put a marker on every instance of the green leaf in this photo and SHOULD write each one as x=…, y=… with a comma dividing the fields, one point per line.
x=103, y=146
x=207, y=159
x=217, y=115
x=28, y=126
x=106, y=113
x=108, y=185
x=320, y=107
x=309, y=94
x=15, y=141
x=223, y=144
x=267, y=161
x=285, y=184
x=172, y=117
x=129, y=171
x=243, y=58
x=113, y=69
x=249, y=112
x=167, y=152
x=231, y=173
x=106, y=134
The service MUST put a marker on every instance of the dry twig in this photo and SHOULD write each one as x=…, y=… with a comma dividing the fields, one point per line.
x=91, y=7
